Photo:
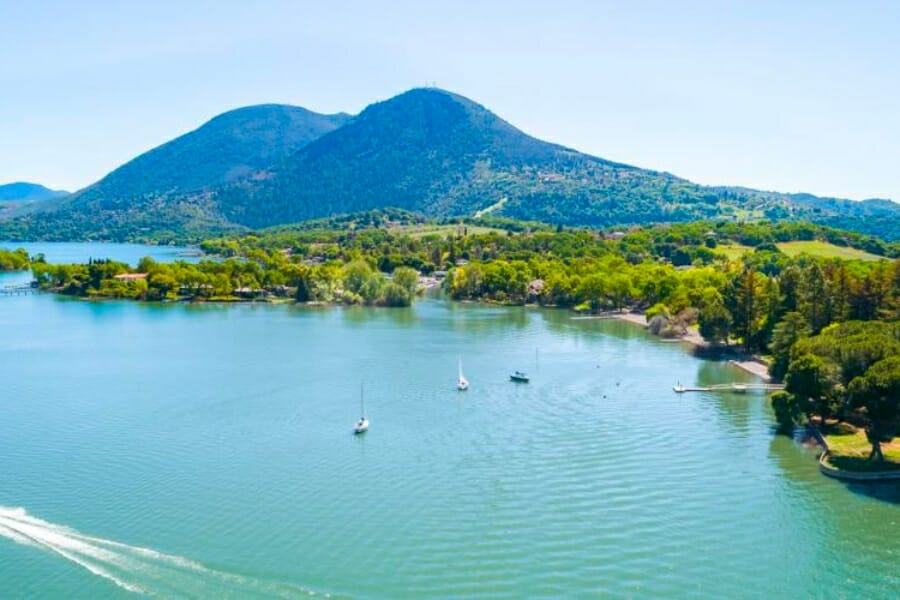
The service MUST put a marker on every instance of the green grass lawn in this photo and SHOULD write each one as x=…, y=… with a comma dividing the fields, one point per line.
x=850, y=451
x=732, y=251
x=417, y=231
x=825, y=250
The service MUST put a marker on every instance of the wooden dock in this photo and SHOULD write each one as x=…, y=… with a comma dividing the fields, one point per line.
x=738, y=388
x=18, y=290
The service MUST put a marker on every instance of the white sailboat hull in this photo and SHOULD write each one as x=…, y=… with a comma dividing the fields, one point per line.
x=462, y=384
x=362, y=425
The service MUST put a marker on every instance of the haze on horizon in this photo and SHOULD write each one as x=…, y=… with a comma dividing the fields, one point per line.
x=789, y=98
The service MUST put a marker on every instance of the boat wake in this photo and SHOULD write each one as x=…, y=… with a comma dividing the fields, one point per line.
x=136, y=569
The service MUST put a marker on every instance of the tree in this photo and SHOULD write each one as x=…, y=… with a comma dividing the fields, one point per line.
x=160, y=284
x=146, y=264
x=812, y=297
x=854, y=345
x=304, y=294
x=397, y=295
x=13, y=260
x=745, y=299
x=407, y=278
x=681, y=257
x=619, y=290
x=814, y=383
x=790, y=329
x=356, y=274
x=877, y=394
x=788, y=284
x=787, y=410
x=715, y=323
x=373, y=288
x=592, y=290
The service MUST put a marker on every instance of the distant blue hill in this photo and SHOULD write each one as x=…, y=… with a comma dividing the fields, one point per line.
x=22, y=191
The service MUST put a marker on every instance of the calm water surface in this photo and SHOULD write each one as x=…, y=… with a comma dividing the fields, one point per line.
x=205, y=451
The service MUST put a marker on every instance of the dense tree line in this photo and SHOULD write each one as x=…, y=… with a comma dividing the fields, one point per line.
x=849, y=371
x=258, y=275
x=682, y=244
x=14, y=260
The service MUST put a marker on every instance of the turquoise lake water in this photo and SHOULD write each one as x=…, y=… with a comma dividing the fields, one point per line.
x=206, y=451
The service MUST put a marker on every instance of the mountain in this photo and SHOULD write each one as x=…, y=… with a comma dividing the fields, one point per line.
x=21, y=197
x=147, y=194
x=426, y=150
x=441, y=154
x=22, y=191
x=232, y=145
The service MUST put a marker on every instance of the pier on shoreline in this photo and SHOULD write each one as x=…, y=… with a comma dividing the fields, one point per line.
x=730, y=387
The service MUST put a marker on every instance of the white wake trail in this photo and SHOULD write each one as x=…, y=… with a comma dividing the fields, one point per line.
x=133, y=568
x=19, y=527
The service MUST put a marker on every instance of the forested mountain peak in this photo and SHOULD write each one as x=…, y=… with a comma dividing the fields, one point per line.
x=228, y=146
x=425, y=150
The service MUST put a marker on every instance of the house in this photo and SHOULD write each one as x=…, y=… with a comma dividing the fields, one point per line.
x=535, y=288
x=130, y=276
x=195, y=289
x=248, y=292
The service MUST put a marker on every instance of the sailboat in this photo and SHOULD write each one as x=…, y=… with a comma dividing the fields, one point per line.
x=362, y=425
x=462, y=384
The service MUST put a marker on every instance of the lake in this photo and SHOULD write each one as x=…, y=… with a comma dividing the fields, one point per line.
x=206, y=451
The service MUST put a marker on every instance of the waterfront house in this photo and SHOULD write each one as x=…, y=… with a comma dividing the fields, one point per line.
x=130, y=276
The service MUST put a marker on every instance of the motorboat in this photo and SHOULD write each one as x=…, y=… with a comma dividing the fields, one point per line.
x=519, y=377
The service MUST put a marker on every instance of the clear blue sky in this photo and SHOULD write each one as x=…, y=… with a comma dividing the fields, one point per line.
x=788, y=96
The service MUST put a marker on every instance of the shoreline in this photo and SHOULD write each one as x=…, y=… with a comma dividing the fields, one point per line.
x=751, y=365
x=827, y=468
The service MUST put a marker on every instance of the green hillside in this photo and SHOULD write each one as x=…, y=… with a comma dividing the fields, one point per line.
x=825, y=250
x=232, y=145
x=441, y=154
x=438, y=153
x=426, y=150
x=161, y=192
